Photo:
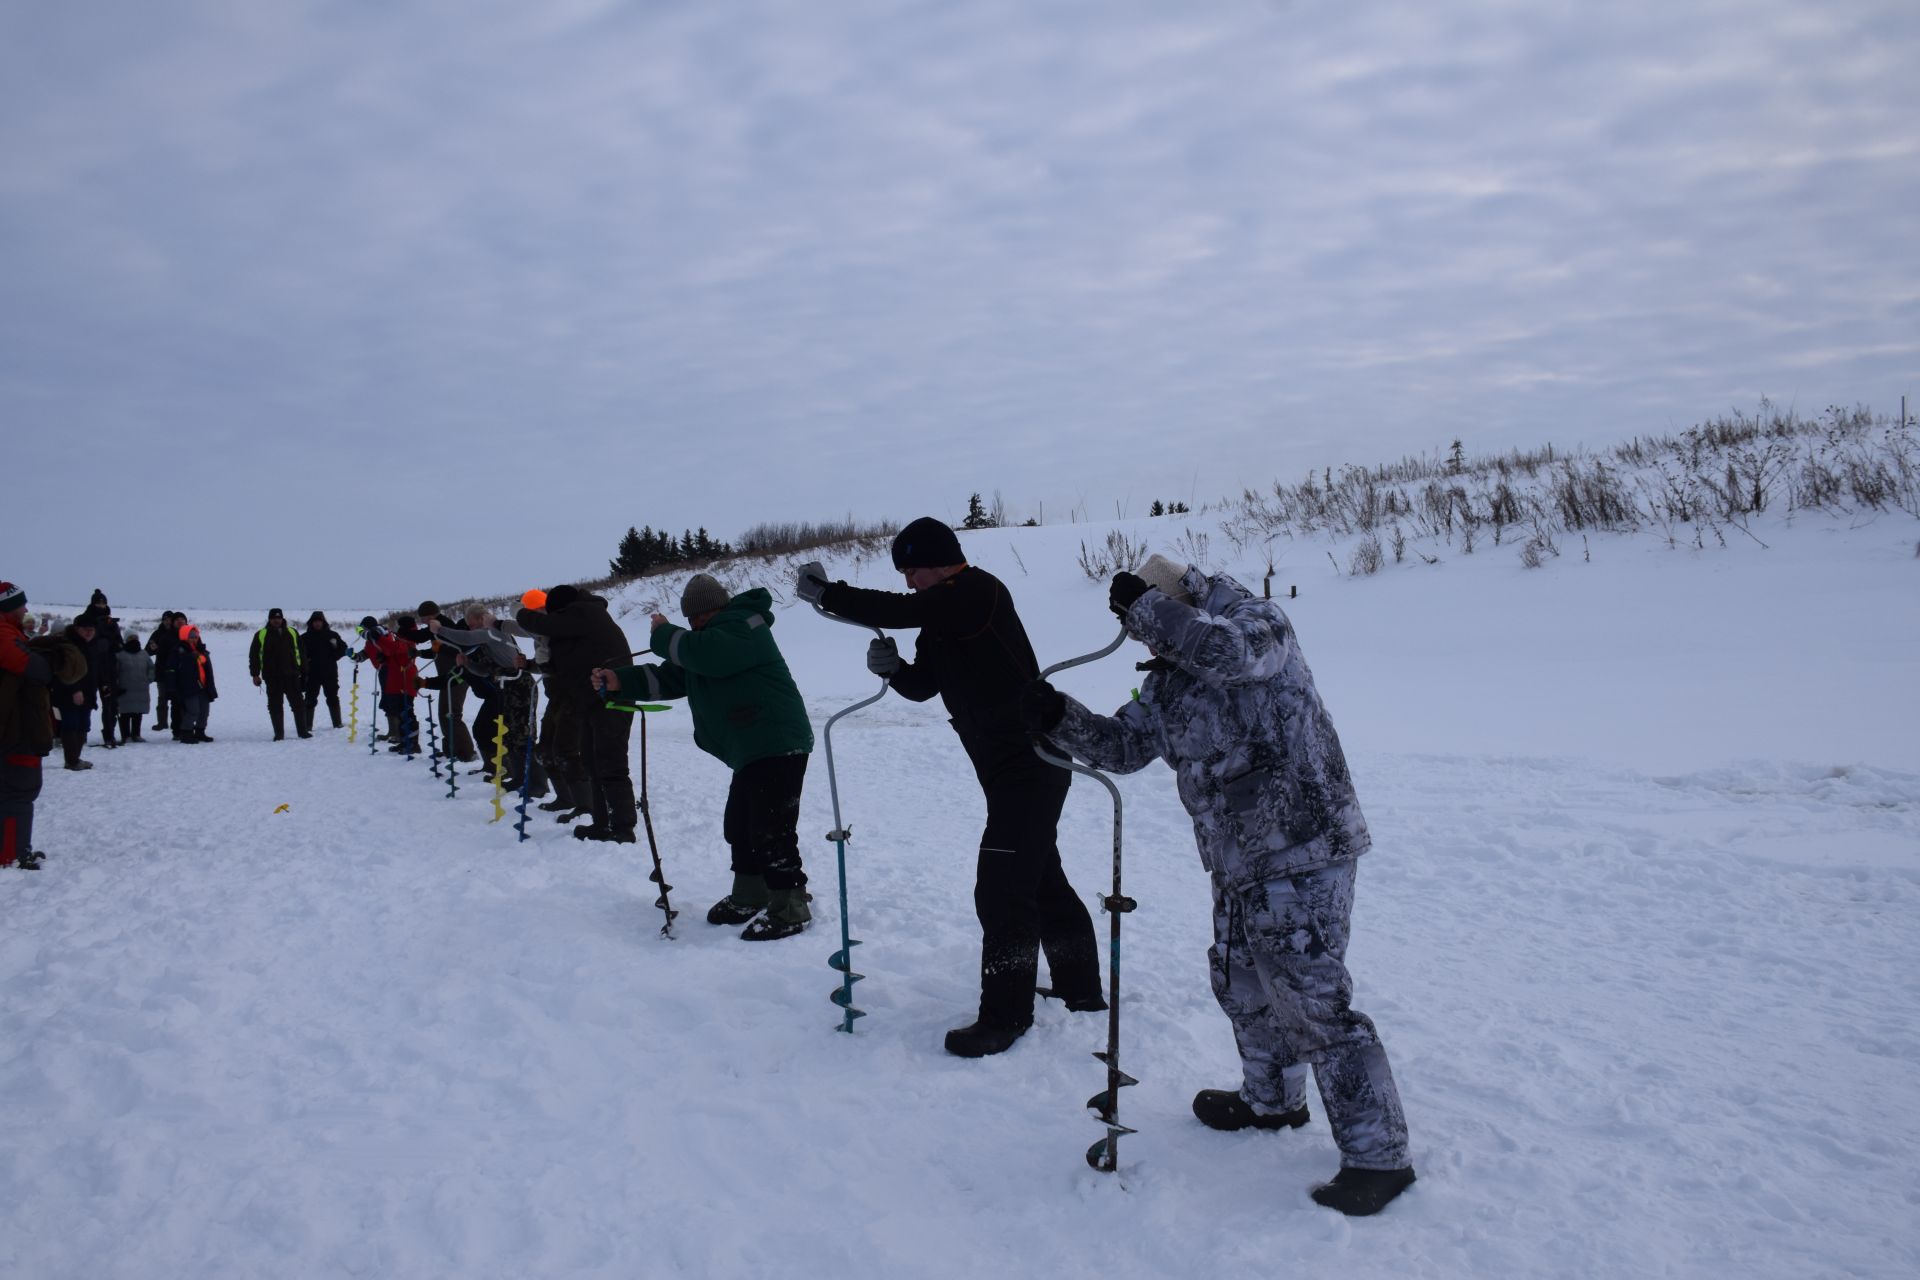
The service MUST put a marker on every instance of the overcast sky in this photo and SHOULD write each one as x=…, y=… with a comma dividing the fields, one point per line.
x=343, y=301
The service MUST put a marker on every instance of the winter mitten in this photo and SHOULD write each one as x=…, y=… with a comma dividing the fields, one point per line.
x=883, y=657
x=1126, y=588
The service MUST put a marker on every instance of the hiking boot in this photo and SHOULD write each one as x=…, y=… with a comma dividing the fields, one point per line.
x=787, y=914
x=983, y=1039
x=1227, y=1111
x=1360, y=1193
x=554, y=806
x=1091, y=1003
x=28, y=860
x=748, y=899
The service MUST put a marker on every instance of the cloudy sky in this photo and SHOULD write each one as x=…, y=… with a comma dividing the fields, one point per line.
x=347, y=302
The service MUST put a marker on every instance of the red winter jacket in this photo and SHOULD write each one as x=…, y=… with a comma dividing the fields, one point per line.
x=394, y=659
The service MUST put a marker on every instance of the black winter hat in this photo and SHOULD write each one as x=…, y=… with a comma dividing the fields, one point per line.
x=562, y=596
x=370, y=623
x=318, y=617
x=428, y=609
x=275, y=613
x=926, y=544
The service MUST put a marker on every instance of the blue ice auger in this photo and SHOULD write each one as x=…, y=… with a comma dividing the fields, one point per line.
x=1104, y=1155
x=433, y=732
x=526, y=759
x=659, y=873
x=842, y=959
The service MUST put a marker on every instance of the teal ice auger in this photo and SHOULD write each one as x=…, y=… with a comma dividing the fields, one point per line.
x=526, y=759
x=842, y=959
x=1104, y=1155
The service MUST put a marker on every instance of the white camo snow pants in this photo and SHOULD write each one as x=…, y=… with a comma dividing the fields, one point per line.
x=1278, y=963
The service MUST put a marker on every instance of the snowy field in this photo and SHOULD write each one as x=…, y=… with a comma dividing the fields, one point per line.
x=1641, y=930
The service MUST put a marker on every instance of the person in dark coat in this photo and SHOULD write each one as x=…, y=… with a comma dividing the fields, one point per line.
x=74, y=700
x=133, y=680
x=973, y=652
x=448, y=682
x=160, y=649
x=321, y=649
x=103, y=660
x=28, y=669
x=273, y=659
x=584, y=636
x=190, y=674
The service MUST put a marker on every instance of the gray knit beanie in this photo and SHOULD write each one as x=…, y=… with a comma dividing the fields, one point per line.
x=1165, y=574
x=703, y=594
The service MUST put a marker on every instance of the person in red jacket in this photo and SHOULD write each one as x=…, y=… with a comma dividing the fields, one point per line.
x=27, y=668
x=393, y=659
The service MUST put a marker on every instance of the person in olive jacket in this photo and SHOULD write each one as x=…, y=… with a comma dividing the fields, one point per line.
x=748, y=714
x=974, y=653
x=584, y=636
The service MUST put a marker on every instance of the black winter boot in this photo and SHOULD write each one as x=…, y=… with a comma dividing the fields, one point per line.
x=605, y=835
x=747, y=899
x=70, y=744
x=983, y=1038
x=787, y=914
x=28, y=860
x=1226, y=1110
x=1360, y=1193
x=1092, y=1002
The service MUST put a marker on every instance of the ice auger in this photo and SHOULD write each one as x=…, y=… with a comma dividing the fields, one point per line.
x=842, y=960
x=499, y=768
x=353, y=718
x=433, y=733
x=1104, y=1154
x=526, y=759
x=659, y=873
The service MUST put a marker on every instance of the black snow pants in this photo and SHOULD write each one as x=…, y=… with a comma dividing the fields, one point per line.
x=762, y=822
x=1025, y=904
x=604, y=738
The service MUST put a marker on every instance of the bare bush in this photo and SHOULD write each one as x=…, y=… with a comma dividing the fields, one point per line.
x=1367, y=557
x=1117, y=554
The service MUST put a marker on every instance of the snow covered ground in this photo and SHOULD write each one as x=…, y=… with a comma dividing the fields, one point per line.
x=1640, y=928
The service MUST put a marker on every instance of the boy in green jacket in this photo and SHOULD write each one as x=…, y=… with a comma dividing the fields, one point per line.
x=747, y=712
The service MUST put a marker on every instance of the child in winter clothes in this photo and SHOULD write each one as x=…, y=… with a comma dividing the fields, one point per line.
x=393, y=659
x=134, y=670
x=192, y=684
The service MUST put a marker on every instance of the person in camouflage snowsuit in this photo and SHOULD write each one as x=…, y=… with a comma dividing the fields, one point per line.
x=1231, y=707
x=493, y=665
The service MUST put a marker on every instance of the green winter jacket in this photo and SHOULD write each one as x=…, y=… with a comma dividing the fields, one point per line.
x=745, y=706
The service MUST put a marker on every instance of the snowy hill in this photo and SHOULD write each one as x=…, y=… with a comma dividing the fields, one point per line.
x=1639, y=930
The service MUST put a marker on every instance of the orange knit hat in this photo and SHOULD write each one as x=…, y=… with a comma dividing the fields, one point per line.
x=534, y=599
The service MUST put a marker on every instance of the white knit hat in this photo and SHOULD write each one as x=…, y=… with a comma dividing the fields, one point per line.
x=1165, y=574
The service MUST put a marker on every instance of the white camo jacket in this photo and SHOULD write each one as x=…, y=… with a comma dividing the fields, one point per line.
x=1237, y=718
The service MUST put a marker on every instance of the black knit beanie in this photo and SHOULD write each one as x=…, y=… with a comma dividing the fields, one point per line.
x=562, y=596
x=926, y=544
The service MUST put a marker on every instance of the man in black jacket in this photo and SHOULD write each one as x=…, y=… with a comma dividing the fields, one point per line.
x=321, y=648
x=103, y=658
x=274, y=659
x=974, y=653
x=583, y=635
x=160, y=649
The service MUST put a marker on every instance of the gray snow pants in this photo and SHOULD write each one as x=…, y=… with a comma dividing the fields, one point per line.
x=1279, y=970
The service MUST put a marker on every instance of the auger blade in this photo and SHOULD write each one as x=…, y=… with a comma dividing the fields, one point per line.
x=843, y=994
x=1103, y=1155
x=838, y=960
x=1104, y=1103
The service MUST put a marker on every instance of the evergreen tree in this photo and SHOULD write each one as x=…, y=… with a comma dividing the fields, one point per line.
x=977, y=517
x=635, y=554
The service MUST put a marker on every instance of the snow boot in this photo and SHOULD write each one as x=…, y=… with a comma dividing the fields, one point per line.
x=1094, y=1003
x=27, y=860
x=1227, y=1111
x=982, y=1039
x=70, y=744
x=787, y=914
x=748, y=899
x=1360, y=1193
x=605, y=835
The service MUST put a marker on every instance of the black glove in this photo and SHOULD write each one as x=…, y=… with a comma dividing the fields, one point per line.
x=883, y=657
x=1126, y=588
x=1042, y=706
